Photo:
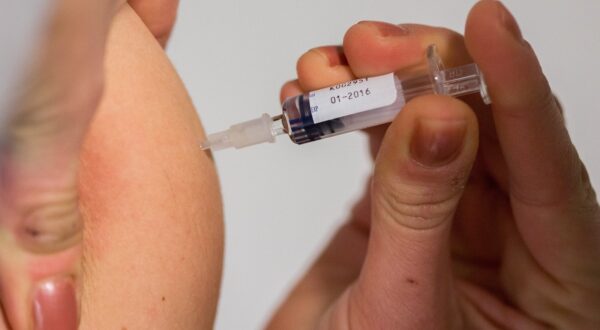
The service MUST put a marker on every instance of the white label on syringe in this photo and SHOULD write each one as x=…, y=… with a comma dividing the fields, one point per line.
x=352, y=97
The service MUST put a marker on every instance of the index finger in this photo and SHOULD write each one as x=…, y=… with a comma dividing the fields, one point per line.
x=158, y=15
x=551, y=197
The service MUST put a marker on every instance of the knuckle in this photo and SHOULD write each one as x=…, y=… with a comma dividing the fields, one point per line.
x=546, y=98
x=307, y=58
x=50, y=222
x=46, y=110
x=559, y=105
x=33, y=124
x=573, y=193
x=542, y=97
x=417, y=206
x=588, y=194
x=308, y=65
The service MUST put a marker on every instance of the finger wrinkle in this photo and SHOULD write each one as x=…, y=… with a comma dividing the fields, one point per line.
x=53, y=225
x=371, y=56
x=421, y=215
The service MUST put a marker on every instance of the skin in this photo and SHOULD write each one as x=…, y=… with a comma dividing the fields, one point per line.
x=475, y=217
x=98, y=229
x=169, y=202
x=502, y=234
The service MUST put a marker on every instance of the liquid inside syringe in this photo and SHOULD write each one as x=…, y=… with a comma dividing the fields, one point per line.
x=350, y=106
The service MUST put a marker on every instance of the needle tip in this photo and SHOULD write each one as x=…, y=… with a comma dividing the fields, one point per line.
x=205, y=146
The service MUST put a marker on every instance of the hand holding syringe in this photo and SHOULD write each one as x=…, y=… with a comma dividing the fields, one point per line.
x=351, y=106
x=474, y=216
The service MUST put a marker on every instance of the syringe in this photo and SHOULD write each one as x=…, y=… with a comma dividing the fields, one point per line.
x=351, y=106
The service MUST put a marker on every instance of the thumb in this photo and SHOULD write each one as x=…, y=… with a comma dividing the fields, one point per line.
x=40, y=223
x=422, y=167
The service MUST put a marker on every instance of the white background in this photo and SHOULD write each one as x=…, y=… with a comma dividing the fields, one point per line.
x=282, y=201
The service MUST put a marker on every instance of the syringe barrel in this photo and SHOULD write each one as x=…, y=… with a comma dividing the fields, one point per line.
x=352, y=105
x=301, y=127
x=316, y=115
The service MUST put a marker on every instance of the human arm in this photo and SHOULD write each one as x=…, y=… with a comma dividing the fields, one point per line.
x=163, y=199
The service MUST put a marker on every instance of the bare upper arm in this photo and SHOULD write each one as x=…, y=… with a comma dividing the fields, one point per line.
x=153, y=234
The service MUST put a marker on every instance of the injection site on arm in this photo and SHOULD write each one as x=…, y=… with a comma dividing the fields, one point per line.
x=350, y=106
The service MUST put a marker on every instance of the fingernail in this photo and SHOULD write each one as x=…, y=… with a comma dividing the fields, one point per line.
x=509, y=21
x=437, y=142
x=333, y=58
x=387, y=30
x=55, y=305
